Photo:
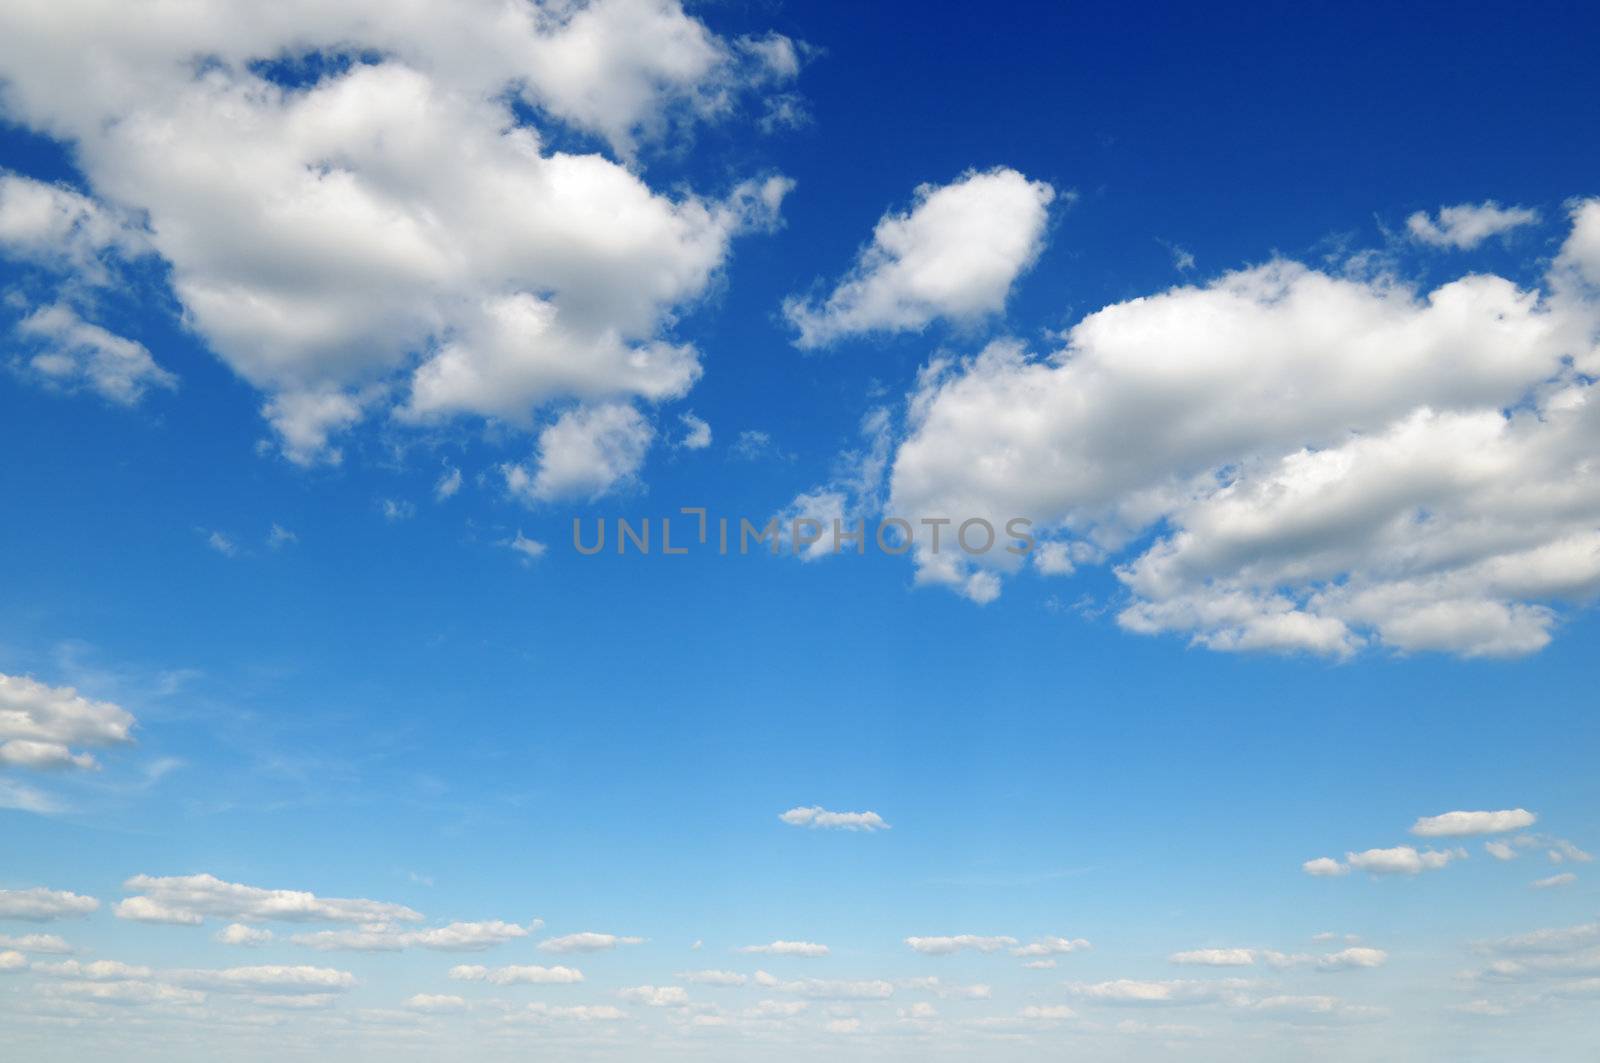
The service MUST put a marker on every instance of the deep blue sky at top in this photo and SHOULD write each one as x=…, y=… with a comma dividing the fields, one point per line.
x=426, y=666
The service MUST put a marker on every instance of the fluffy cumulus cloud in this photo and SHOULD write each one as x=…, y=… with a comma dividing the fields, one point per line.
x=1323, y=867
x=954, y=255
x=585, y=453
x=1467, y=225
x=40, y=725
x=239, y=934
x=653, y=996
x=435, y=1003
x=190, y=899
x=41, y=905
x=1455, y=824
x=355, y=210
x=1399, y=860
x=816, y=816
x=1294, y=460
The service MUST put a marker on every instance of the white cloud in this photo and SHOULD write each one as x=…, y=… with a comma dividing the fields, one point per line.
x=1352, y=958
x=456, y=937
x=939, y=987
x=132, y=993
x=1314, y=1009
x=239, y=934
x=390, y=234
x=190, y=899
x=944, y=946
x=56, y=226
x=516, y=975
x=97, y=971
x=1345, y=959
x=816, y=816
x=1288, y=460
x=1402, y=860
x=1047, y=1012
x=46, y=943
x=449, y=483
x=530, y=549
x=435, y=1003
x=778, y=1009
x=713, y=978
x=39, y=724
x=271, y=978
x=955, y=254
x=827, y=989
x=752, y=444
x=12, y=961
x=40, y=905
x=1466, y=225
x=542, y=1012
x=831, y=513
x=1454, y=824
x=696, y=432
x=1324, y=866
x=1554, y=940
x=1131, y=991
x=788, y=948
x=1579, y=262
x=1214, y=958
x=1561, y=850
x=588, y=941
x=1500, y=850
x=587, y=452
x=1566, y=878
x=1051, y=946
x=72, y=354
x=655, y=996
x=24, y=798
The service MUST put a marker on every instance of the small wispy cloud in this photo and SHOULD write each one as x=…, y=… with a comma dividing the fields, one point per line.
x=815, y=816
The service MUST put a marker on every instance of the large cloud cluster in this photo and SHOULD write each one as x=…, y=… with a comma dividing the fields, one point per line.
x=1292, y=459
x=359, y=203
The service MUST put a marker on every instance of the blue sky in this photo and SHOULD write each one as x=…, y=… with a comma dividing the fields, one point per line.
x=320, y=330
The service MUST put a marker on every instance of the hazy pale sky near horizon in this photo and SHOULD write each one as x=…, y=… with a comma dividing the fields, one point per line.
x=323, y=324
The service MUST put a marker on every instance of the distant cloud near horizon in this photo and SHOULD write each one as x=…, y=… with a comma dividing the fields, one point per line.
x=787, y=948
